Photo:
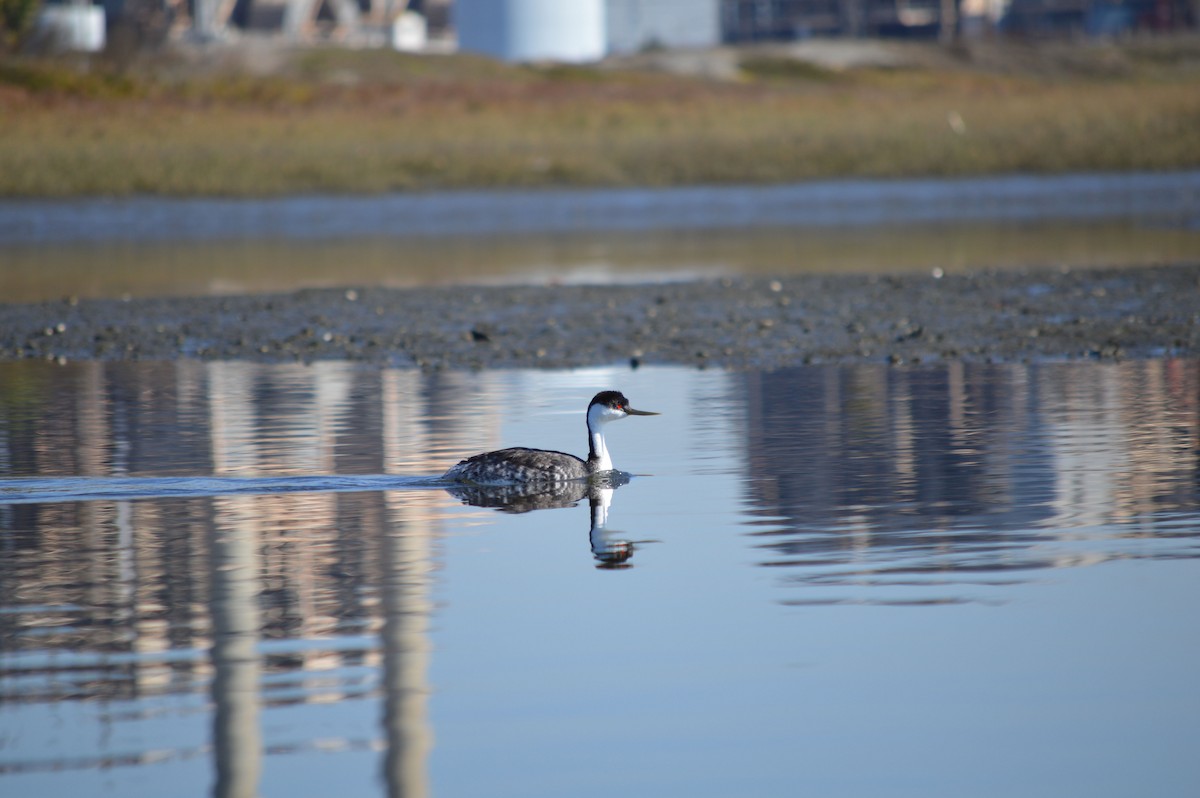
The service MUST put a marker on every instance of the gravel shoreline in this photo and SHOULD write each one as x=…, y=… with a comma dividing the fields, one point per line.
x=735, y=323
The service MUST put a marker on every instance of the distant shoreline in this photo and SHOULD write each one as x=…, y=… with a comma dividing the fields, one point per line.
x=1144, y=312
x=1164, y=196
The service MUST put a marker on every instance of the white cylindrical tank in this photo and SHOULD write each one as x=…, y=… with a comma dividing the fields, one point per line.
x=410, y=33
x=72, y=27
x=532, y=30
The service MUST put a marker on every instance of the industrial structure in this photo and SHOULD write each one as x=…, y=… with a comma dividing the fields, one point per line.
x=402, y=24
x=635, y=25
x=532, y=30
x=588, y=30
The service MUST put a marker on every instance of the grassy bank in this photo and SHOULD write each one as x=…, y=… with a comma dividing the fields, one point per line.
x=343, y=121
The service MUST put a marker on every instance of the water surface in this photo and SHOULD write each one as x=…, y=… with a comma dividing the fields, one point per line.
x=238, y=579
x=152, y=246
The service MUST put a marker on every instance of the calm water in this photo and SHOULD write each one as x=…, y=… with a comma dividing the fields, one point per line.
x=152, y=247
x=235, y=579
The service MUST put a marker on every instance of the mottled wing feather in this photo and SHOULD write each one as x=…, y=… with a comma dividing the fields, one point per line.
x=519, y=465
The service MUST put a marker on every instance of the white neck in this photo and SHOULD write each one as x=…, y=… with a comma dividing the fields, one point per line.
x=598, y=456
x=602, y=460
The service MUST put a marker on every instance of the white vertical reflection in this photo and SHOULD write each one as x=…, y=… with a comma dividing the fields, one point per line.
x=231, y=418
x=1123, y=434
x=282, y=420
x=406, y=551
x=277, y=419
x=1090, y=444
x=234, y=577
x=904, y=439
x=234, y=574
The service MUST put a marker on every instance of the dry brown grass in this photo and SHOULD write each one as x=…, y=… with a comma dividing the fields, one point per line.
x=343, y=121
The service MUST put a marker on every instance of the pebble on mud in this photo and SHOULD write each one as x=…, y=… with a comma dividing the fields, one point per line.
x=730, y=323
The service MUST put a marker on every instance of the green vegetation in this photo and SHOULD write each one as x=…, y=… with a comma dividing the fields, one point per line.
x=781, y=67
x=333, y=120
x=48, y=79
x=16, y=18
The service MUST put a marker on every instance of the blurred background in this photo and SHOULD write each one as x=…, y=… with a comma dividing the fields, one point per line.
x=157, y=146
x=586, y=30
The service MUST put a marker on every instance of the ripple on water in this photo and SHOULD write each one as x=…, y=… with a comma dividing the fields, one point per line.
x=307, y=587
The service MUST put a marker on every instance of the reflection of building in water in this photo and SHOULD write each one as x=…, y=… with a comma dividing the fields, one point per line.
x=234, y=581
x=406, y=549
x=105, y=564
x=150, y=597
x=824, y=440
x=284, y=421
x=1134, y=429
x=963, y=466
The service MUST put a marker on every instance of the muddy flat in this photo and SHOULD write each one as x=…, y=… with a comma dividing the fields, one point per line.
x=732, y=323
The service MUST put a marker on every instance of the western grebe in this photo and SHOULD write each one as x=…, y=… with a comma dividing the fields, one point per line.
x=541, y=466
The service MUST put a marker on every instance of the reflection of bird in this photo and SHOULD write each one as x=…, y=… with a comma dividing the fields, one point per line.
x=541, y=466
x=533, y=496
x=610, y=547
x=611, y=550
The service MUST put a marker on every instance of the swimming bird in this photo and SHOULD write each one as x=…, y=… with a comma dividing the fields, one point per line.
x=542, y=466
